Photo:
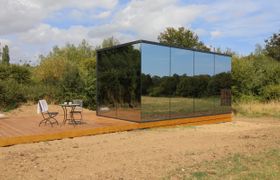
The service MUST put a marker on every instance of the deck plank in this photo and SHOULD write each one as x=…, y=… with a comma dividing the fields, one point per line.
x=26, y=130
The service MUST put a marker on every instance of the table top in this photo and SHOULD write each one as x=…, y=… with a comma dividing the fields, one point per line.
x=69, y=105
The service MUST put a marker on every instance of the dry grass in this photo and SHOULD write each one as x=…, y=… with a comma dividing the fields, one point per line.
x=258, y=109
x=264, y=165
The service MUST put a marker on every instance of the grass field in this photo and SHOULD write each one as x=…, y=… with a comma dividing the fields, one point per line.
x=264, y=165
x=258, y=109
x=163, y=107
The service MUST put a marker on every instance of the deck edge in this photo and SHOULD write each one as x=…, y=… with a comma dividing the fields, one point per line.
x=104, y=130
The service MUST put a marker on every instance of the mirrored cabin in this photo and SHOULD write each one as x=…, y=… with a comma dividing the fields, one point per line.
x=144, y=81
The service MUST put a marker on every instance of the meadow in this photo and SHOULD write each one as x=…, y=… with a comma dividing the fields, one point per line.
x=257, y=109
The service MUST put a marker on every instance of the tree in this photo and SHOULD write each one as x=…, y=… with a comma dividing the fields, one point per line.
x=5, y=55
x=109, y=42
x=181, y=37
x=258, y=50
x=272, y=46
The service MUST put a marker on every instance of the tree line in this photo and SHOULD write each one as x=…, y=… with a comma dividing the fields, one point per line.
x=68, y=72
x=185, y=86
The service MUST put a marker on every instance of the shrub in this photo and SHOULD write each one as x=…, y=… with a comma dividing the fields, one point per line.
x=37, y=91
x=12, y=95
x=251, y=74
x=21, y=74
x=271, y=92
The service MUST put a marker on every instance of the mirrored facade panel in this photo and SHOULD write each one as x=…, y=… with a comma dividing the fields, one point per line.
x=119, y=83
x=107, y=84
x=203, y=73
x=129, y=82
x=221, y=84
x=155, y=77
x=181, y=83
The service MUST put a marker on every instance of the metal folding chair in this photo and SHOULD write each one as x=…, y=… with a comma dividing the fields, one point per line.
x=78, y=109
x=48, y=117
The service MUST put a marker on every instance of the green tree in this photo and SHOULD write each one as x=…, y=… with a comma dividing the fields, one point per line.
x=21, y=74
x=181, y=37
x=72, y=84
x=5, y=55
x=252, y=74
x=272, y=46
x=146, y=82
x=109, y=42
x=68, y=73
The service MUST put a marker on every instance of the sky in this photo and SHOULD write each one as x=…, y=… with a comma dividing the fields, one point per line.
x=33, y=27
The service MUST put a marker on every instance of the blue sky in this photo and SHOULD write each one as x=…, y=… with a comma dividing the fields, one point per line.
x=32, y=27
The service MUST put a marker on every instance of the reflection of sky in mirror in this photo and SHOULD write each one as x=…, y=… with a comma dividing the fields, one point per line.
x=136, y=46
x=222, y=64
x=155, y=59
x=181, y=62
x=204, y=64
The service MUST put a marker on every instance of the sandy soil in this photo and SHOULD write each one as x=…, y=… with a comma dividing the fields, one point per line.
x=141, y=154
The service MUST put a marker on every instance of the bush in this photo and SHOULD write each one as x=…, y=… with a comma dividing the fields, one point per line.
x=37, y=91
x=271, y=92
x=21, y=74
x=11, y=95
x=250, y=76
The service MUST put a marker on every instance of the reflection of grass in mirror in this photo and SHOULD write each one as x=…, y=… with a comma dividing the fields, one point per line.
x=219, y=108
x=154, y=105
x=180, y=105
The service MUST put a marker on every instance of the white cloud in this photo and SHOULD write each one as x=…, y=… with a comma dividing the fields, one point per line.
x=16, y=16
x=215, y=34
x=22, y=15
x=200, y=32
x=81, y=4
x=147, y=19
x=45, y=33
x=4, y=42
x=243, y=19
x=24, y=23
x=102, y=15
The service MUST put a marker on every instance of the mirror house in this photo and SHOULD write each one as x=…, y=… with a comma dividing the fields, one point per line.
x=145, y=81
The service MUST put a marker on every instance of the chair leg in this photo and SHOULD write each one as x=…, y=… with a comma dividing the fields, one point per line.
x=42, y=121
x=55, y=120
x=48, y=120
x=81, y=118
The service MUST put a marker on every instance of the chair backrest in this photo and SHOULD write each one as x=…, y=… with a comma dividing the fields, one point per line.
x=80, y=102
x=43, y=106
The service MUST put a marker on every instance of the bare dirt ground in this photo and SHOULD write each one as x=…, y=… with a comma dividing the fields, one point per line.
x=141, y=154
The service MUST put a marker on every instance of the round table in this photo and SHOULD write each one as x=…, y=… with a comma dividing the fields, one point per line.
x=72, y=108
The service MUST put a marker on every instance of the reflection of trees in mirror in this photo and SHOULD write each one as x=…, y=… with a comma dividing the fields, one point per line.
x=211, y=95
x=119, y=79
x=185, y=86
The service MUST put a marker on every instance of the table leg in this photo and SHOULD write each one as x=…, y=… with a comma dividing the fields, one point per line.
x=65, y=114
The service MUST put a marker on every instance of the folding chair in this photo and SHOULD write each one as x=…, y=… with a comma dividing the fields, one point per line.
x=48, y=117
x=78, y=109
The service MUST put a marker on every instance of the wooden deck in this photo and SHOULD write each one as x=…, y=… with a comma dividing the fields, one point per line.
x=26, y=130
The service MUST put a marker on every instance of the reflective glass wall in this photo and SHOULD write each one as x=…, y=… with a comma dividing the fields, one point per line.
x=119, y=82
x=155, y=66
x=149, y=82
